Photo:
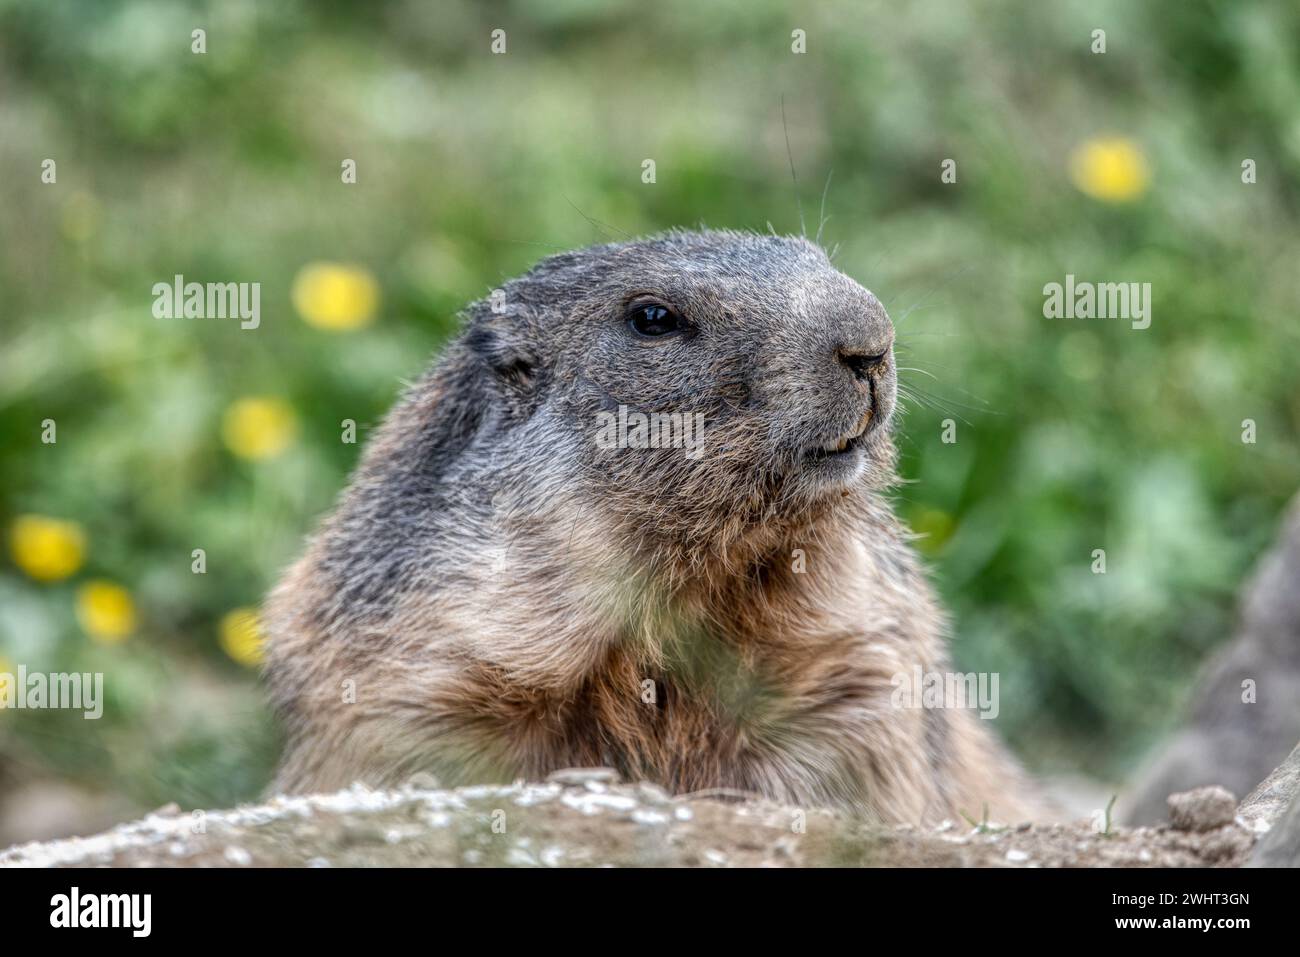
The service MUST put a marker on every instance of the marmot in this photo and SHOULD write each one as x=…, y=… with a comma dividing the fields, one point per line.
x=499, y=595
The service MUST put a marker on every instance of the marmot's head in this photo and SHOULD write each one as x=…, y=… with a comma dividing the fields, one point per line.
x=694, y=384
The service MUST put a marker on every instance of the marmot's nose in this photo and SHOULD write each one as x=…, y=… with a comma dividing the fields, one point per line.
x=863, y=363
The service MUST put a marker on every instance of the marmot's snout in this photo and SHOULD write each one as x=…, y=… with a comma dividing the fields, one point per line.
x=866, y=351
x=843, y=388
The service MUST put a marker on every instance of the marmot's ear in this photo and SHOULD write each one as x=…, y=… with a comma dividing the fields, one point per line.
x=505, y=340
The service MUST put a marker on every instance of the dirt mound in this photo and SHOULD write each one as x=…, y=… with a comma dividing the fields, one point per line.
x=586, y=818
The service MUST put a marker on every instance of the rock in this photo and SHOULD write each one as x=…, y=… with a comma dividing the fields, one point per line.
x=595, y=821
x=1280, y=847
x=585, y=776
x=238, y=856
x=1266, y=804
x=1245, y=718
x=1203, y=809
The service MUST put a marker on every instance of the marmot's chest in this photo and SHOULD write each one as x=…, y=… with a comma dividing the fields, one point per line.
x=715, y=720
x=660, y=729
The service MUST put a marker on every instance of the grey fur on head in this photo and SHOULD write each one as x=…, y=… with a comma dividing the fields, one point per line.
x=771, y=319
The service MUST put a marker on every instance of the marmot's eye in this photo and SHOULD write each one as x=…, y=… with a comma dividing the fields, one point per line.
x=653, y=321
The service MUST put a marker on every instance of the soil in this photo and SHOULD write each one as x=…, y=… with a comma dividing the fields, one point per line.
x=585, y=818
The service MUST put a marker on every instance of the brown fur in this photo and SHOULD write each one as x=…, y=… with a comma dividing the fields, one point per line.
x=507, y=601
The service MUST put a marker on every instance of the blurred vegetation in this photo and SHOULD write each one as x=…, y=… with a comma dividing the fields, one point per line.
x=225, y=166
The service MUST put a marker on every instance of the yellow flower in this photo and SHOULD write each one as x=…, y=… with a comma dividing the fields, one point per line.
x=8, y=671
x=1111, y=169
x=241, y=636
x=259, y=428
x=47, y=549
x=335, y=296
x=106, y=612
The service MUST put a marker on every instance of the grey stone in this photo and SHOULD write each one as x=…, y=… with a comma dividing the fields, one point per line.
x=1202, y=809
x=1227, y=740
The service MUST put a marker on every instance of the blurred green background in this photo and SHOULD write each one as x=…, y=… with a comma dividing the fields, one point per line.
x=226, y=166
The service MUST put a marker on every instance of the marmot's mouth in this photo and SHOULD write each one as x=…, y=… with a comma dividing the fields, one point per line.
x=842, y=446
